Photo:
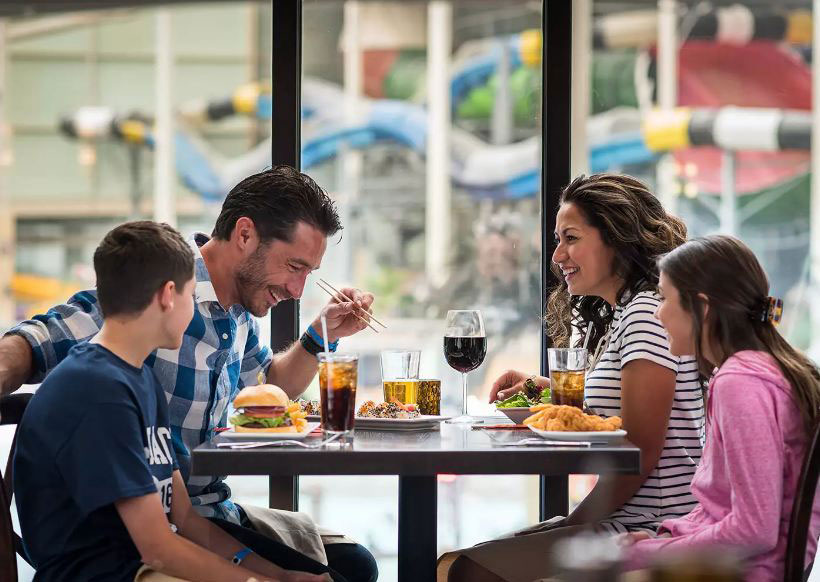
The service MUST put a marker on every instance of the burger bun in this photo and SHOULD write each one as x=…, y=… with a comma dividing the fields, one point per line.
x=262, y=395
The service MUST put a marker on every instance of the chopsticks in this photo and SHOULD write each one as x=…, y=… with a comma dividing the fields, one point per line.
x=335, y=293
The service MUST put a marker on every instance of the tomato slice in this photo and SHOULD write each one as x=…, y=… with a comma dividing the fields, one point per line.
x=264, y=411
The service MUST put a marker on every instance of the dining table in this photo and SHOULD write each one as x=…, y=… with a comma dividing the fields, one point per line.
x=417, y=458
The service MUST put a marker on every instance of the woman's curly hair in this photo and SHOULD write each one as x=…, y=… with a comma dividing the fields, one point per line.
x=631, y=221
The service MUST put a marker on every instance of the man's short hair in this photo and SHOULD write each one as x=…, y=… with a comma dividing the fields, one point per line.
x=276, y=200
x=135, y=260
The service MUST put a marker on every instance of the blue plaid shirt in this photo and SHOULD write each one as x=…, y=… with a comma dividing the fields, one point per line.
x=220, y=354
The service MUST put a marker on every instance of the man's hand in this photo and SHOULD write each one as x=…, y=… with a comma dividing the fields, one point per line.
x=341, y=321
x=15, y=363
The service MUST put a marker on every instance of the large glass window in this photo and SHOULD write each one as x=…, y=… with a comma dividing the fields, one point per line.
x=422, y=121
x=711, y=105
x=79, y=98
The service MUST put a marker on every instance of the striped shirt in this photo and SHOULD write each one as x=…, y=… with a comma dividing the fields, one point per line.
x=637, y=335
x=220, y=354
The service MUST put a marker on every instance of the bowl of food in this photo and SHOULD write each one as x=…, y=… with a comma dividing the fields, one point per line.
x=516, y=414
x=517, y=406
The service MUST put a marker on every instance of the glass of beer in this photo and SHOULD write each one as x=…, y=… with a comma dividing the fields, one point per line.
x=338, y=376
x=429, y=397
x=567, y=370
x=400, y=375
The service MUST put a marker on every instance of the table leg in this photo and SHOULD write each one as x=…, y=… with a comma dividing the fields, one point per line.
x=554, y=498
x=418, y=508
x=283, y=492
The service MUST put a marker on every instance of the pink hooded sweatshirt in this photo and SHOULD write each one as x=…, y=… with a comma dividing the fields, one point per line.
x=747, y=478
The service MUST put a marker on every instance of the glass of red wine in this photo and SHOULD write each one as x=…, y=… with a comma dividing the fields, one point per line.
x=465, y=345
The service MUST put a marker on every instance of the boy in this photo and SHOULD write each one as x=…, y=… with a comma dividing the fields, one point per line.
x=99, y=493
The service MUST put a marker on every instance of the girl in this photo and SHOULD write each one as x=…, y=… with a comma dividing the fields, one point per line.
x=763, y=407
x=610, y=230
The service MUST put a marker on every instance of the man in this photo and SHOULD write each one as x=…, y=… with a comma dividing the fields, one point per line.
x=270, y=234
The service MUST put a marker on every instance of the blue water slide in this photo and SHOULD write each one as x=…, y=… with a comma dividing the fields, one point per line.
x=476, y=71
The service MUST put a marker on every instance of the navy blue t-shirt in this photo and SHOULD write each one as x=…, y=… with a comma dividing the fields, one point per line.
x=96, y=431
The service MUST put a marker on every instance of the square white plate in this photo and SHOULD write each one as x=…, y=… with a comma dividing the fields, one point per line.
x=591, y=436
x=421, y=422
x=268, y=436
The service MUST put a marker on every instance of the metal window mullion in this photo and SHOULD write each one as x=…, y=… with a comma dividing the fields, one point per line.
x=556, y=72
x=286, y=97
x=286, y=120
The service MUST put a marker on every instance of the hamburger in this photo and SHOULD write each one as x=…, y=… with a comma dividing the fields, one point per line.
x=266, y=408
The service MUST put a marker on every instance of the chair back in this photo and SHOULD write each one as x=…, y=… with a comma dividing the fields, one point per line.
x=12, y=407
x=802, y=512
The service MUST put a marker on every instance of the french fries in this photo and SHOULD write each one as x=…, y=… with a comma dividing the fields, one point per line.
x=569, y=418
x=297, y=415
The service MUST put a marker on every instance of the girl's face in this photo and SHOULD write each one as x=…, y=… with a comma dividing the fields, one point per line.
x=586, y=263
x=678, y=322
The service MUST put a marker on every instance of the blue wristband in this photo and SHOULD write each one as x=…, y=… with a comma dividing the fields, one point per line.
x=241, y=555
x=314, y=335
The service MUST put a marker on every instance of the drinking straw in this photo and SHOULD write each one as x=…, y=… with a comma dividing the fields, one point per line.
x=327, y=348
x=588, y=335
x=324, y=332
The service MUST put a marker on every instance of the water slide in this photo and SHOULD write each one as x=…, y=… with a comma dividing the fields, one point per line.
x=758, y=74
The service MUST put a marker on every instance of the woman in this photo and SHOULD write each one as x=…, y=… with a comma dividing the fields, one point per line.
x=610, y=231
x=764, y=404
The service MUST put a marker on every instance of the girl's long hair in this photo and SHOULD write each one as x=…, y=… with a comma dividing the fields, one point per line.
x=632, y=221
x=723, y=273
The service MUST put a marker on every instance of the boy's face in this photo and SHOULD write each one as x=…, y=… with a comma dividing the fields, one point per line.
x=177, y=318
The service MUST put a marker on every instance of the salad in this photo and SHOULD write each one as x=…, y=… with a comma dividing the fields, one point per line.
x=521, y=400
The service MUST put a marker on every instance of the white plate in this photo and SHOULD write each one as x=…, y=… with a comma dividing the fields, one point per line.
x=268, y=436
x=592, y=436
x=421, y=422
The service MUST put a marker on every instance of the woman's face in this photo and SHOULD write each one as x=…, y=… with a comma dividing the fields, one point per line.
x=678, y=322
x=586, y=263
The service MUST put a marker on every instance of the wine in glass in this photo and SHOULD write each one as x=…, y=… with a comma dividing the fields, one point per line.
x=465, y=345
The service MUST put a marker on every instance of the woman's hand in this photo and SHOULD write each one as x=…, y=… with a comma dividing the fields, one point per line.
x=550, y=524
x=512, y=382
x=632, y=538
x=628, y=539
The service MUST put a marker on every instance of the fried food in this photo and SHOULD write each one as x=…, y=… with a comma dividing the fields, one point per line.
x=310, y=407
x=569, y=418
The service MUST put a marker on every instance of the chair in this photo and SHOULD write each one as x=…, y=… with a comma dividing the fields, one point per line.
x=12, y=407
x=801, y=513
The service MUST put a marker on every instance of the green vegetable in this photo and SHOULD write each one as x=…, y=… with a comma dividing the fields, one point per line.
x=515, y=401
x=520, y=399
x=243, y=419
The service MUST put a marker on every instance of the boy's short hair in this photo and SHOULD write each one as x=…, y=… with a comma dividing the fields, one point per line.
x=134, y=260
x=276, y=200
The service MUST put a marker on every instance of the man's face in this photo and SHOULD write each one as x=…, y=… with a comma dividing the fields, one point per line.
x=277, y=271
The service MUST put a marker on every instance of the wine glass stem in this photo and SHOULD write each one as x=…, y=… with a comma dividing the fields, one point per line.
x=464, y=394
